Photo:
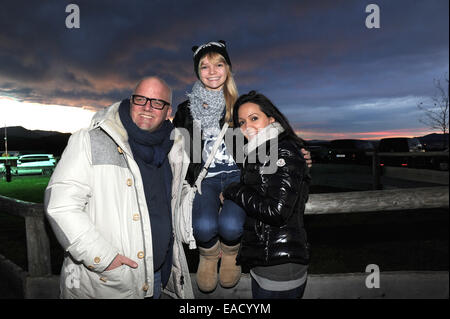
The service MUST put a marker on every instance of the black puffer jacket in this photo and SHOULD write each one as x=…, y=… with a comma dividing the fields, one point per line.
x=274, y=232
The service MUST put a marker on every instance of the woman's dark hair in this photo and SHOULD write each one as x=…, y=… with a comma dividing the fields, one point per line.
x=270, y=110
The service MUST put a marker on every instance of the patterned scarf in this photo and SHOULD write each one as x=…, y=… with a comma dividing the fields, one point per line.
x=207, y=107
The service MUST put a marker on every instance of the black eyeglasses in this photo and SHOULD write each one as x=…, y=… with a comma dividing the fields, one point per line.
x=154, y=103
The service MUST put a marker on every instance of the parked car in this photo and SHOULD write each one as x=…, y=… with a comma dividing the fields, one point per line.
x=34, y=164
x=402, y=145
x=350, y=151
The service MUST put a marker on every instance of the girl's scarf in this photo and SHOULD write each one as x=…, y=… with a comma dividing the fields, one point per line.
x=207, y=108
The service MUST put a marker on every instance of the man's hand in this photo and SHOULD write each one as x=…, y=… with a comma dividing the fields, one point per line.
x=121, y=260
x=307, y=156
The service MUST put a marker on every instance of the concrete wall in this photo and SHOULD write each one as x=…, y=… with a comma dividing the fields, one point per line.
x=12, y=278
x=15, y=283
x=393, y=285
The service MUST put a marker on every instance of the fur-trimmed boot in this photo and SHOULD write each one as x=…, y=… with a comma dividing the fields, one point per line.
x=229, y=272
x=207, y=268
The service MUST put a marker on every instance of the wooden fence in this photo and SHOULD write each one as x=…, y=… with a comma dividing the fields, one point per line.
x=378, y=201
x=413, y=174
x=38, y=251
x=38, y=245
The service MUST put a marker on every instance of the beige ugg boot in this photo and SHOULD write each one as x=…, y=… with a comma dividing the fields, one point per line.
x=229, y=272
x=207, y=268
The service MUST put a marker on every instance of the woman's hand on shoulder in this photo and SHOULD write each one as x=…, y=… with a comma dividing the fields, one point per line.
x=307, y=157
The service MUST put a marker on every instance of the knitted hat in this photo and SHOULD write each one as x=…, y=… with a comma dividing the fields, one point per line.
x=200, y=51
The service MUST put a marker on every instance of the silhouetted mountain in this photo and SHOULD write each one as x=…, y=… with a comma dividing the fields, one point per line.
x=19, y=131
x=38, y=141
x=34, y=141
x=317, y=142
x=433, y=141
x=434, y=137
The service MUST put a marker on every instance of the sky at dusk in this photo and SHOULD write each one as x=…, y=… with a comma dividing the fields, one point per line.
x=316, y=60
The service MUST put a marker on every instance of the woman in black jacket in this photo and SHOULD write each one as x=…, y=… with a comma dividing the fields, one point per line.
x=209, y=106
x=273, y=190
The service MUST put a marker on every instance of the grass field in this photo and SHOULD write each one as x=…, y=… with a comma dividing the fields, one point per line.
x=27, y=188
x=341, y=243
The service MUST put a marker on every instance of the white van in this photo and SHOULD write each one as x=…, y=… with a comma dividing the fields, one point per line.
x=34, y=164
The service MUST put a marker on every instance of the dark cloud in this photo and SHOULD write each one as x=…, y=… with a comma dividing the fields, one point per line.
x=307, y=56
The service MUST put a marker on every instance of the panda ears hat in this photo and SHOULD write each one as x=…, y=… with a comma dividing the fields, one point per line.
x=213, y=46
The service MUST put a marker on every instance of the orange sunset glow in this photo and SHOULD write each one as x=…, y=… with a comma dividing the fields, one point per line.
x=317, y=135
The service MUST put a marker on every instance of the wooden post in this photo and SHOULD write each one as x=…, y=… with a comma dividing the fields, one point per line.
x=38, y=247
x=38, y=244
x=376, y=172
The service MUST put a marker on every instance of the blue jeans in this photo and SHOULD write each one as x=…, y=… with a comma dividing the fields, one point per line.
x=261, y=293
x=209, y=225
x=157, y=285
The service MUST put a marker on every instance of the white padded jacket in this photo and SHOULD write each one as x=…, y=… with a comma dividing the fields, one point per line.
x=96, y=205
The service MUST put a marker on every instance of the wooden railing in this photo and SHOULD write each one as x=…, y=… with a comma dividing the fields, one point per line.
x=378, y=201
x=425, y=175
x=38, y=248
x=38, y=245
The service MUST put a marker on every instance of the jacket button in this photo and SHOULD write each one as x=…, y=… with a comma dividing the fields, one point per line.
x=145, y=287
x=140, y=255
x=103, y=279
x=119, y=149
x=97, y=260
x=136, y=217
x=129, y=182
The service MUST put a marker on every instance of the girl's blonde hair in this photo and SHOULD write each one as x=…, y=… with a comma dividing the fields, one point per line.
x=229, y=88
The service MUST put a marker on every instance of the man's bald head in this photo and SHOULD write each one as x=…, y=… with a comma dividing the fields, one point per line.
x=151, y=81
x=146, y=117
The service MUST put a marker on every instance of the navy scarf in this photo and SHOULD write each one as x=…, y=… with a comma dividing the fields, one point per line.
x=150, y=150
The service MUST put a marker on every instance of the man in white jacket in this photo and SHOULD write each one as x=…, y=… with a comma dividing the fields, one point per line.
x=109, y=203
